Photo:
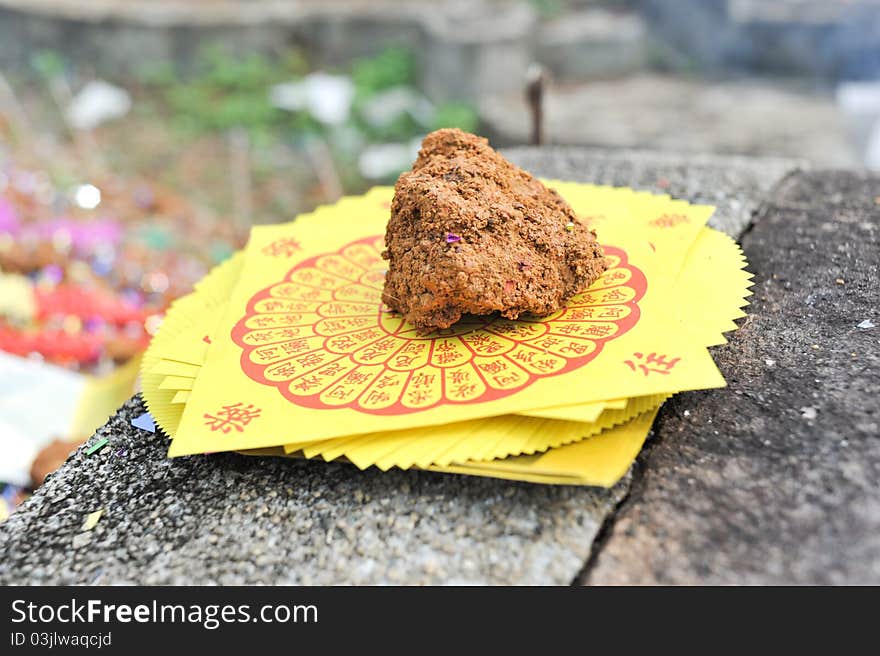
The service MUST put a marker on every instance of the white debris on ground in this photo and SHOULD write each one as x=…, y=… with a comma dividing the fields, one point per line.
x=92, y=520
x=382, y=160
x=860, y=104
x=96, y=103
x=327, y=98
x=866, y=324
x=384, y=108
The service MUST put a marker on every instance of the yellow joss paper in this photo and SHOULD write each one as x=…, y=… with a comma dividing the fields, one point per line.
x=708, y=309
x=305, y=348
x=598, y=461
x=480, y=439
x=295, y=326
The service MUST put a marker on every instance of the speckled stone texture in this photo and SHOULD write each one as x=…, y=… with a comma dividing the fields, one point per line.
x=775, y=479
x=734, y=185
x=232, y=519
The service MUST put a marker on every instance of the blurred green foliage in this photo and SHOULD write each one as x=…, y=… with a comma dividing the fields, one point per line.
x=456, y=115
x=47, y=63
x=225, y=91
x=393, y=67
x=547, y=9
x=220, y=92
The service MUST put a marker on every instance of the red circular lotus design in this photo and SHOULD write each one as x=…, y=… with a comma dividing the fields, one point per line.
x=323, y=337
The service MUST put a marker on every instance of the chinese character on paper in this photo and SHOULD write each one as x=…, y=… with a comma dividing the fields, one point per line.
x=651, y=363
x=285, y=247
x=235, y=416
x=669, y=221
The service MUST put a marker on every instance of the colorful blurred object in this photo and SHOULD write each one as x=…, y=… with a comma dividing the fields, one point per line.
x=86, y=273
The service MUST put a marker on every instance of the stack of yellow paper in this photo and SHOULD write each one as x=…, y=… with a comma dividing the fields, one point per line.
x=286, y=349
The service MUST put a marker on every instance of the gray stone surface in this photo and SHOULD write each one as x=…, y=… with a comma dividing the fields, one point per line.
x=837, y=40
x=232, y=519
x=593, y=42
x=734, y=185
x=229, y=519
x=775, y=479
x=751, y=116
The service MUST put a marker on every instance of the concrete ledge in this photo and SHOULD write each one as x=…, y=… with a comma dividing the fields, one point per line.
x=773, y=480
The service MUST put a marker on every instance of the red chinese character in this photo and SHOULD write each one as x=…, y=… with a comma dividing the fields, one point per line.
x=284, y=370
x=295, y=346
x=545, y=365
x=547, y=342
x=356, y=377
x=520, y=331
x=235, y=416
x=493, y=367
x=597, y=330
x=579, y=314
x=575, y=347
x=308, y=383
x=344, y=342
x=334, y=309
x=331, y=369
x=492, y=347
x=669, y=221
x=477, y=340
x=404, y=360
x=267, y=352
x=507, y=379
x=341, y=392
x=311, y=359
x=463, y=391
x=445, y=357
x=373, y=352
x=652, y=363
x=311, y=294
x=523, y=356
x=423, y=380
x=418, y=397
x=613, y=295
x=569, y=329
x=458, y=377
x=284, y=247
x=376, y=397
x=387, y=381
x=335, y=326
x=368, y=334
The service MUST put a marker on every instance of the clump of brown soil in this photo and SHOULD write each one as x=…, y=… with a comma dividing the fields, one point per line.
x=470, y=233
